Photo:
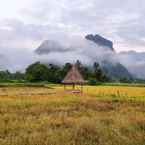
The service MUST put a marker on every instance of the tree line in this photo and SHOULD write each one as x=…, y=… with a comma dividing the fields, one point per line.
x=38, y=72
x=55, y=73
x=7, y=76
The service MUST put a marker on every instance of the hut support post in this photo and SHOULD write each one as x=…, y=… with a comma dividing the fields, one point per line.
x=73, y=86
x=64, y=87
x=82, y=88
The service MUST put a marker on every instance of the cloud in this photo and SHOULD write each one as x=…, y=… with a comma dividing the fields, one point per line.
x=134, y=62
x=120, y=20
x=24, y=25
x=73, y=48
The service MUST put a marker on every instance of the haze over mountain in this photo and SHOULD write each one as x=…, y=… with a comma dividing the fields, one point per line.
x=99, y=40
x=134, y=61
x=51, y=45
x=87, y=50
x=90, y=49
x=76, y=47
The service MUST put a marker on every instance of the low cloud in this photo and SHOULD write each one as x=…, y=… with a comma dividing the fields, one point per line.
x=134, y=62
x=75, y=48
x=121, y=21
x=70, y=49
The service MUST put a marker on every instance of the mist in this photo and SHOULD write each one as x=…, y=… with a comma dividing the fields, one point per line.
x=134, y=62
x=17, y=59
x=76, y=48
x=70, y=49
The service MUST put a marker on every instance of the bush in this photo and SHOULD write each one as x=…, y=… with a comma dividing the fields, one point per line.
x=92, y=82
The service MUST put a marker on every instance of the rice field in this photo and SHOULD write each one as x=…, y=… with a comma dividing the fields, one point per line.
x=102, y=115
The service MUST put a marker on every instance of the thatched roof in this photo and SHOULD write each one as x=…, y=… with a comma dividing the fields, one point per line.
x=73, y=77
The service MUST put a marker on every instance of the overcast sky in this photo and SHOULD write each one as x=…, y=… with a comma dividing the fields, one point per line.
x=24, y=24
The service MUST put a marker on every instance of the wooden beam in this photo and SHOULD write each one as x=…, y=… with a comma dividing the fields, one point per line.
x=73, y=86
x=82, y=88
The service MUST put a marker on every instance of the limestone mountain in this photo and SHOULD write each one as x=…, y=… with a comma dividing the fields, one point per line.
x=99, y=40
x=50, y=45
x=95, y=48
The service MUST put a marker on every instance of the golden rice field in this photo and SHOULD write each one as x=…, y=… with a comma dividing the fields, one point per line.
x=102, y=115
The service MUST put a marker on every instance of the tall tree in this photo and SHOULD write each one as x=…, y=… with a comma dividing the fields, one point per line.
x=98, y=73
x=54, y=73
x=37, y=72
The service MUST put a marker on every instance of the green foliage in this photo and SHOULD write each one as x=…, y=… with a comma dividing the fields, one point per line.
x=52, y=73
x=92, y=82
x=6, y=76
x=99, y=74
x=37, y=72
x=18, y=76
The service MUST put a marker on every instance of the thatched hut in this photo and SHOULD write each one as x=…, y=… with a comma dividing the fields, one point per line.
x=73, y=78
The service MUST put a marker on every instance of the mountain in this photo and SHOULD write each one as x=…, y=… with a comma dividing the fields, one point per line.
x=116, y=71
x=112, y=68
x=50, y=45
x=99, y=40
x=99, y=50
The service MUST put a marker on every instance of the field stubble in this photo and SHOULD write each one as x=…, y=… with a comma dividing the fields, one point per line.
x=101, y=116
